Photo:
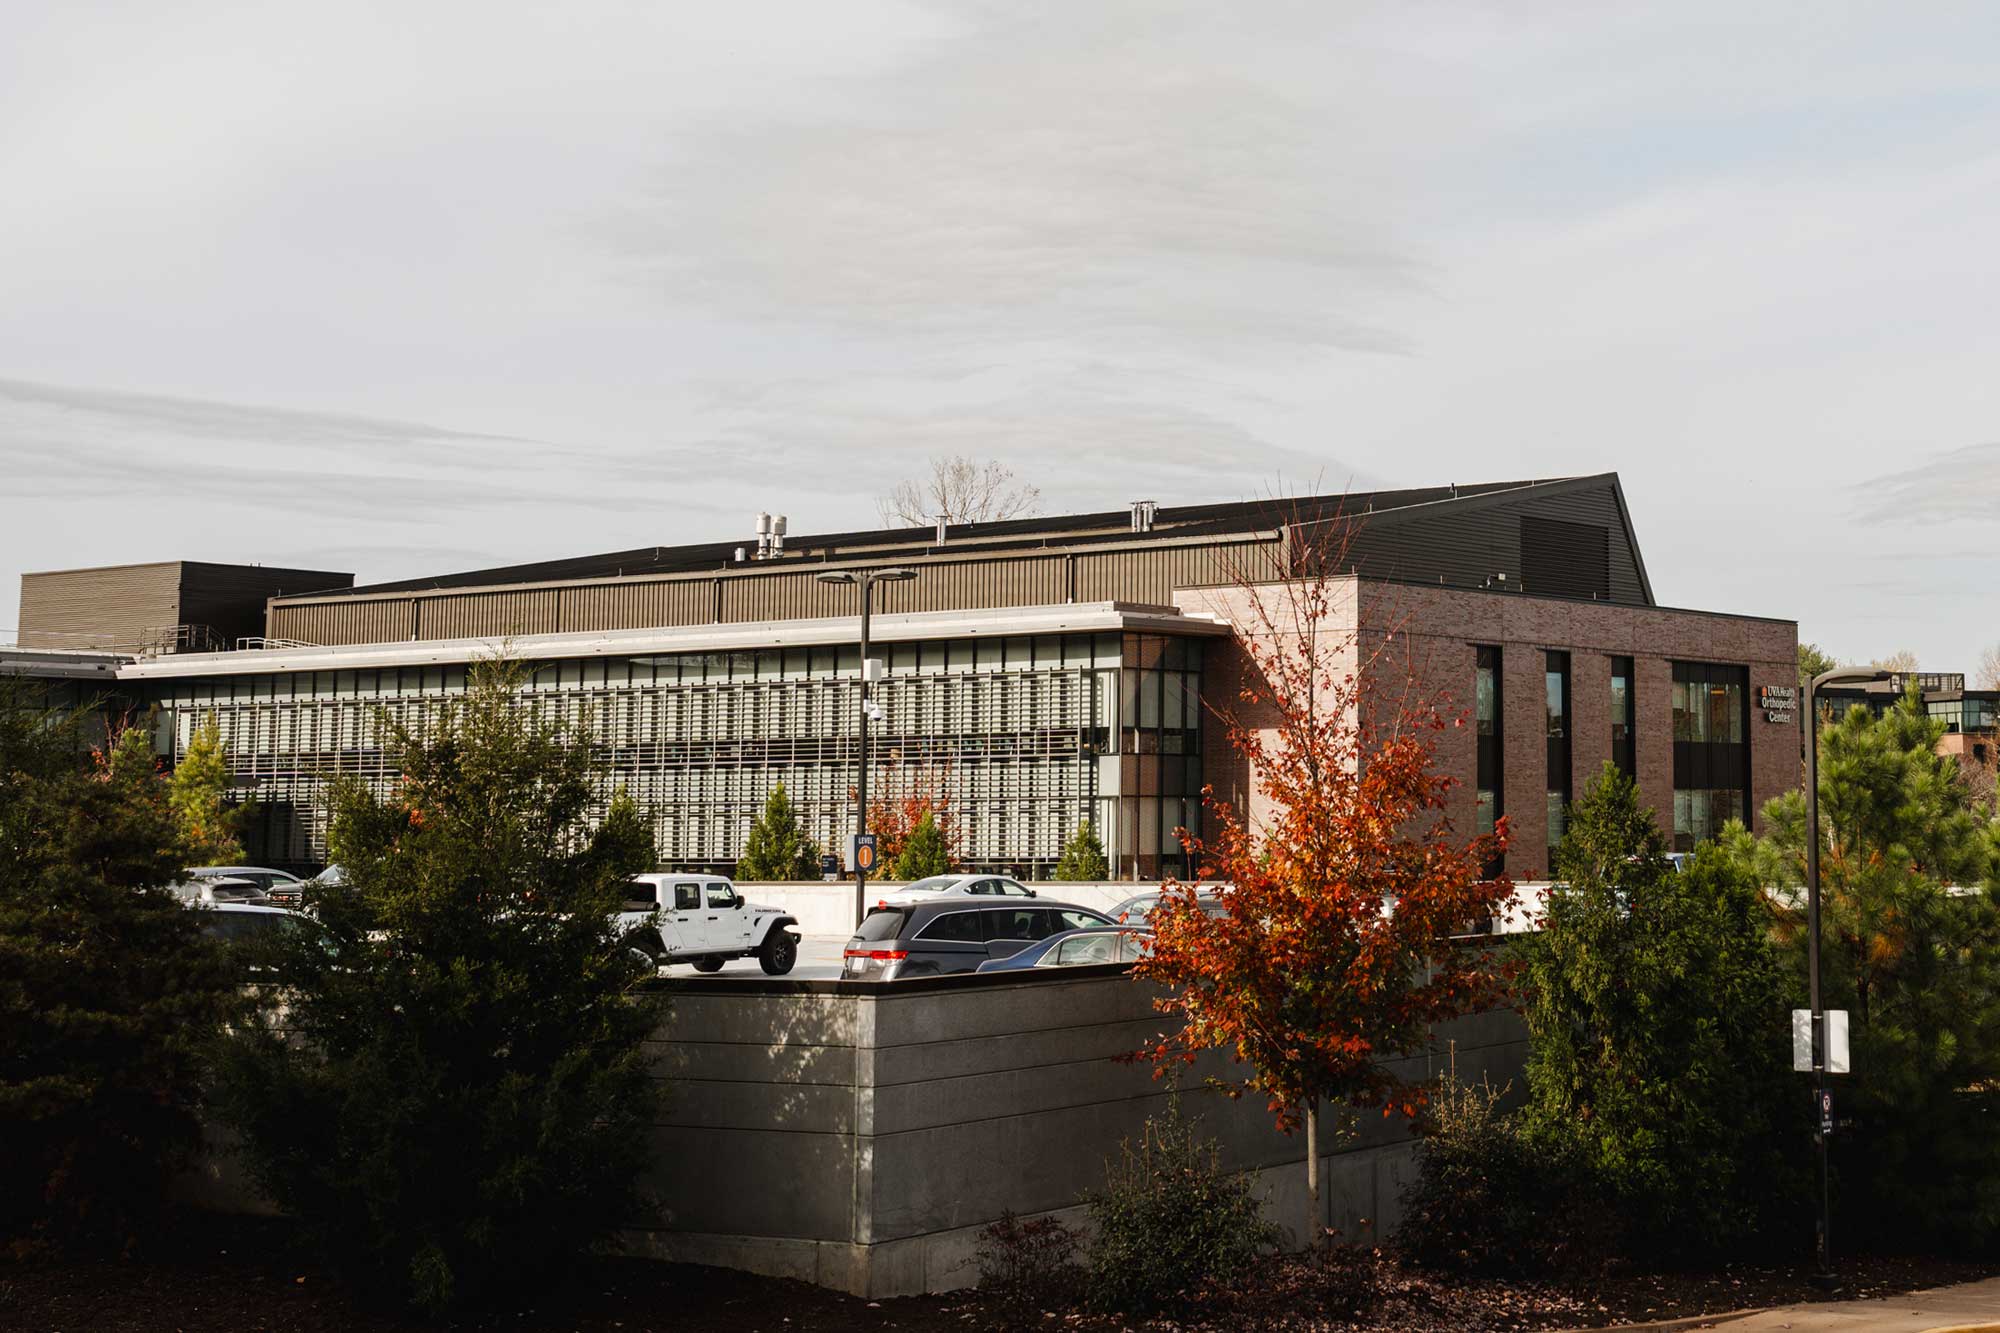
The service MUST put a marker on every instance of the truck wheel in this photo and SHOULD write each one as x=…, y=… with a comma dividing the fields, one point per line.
x=780, y=951
x=708, y=964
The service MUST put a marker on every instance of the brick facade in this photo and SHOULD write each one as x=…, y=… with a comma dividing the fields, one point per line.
x=1428, y=636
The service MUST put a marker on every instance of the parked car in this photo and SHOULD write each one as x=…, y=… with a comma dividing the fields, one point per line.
x=1135, y=910
x=955, y=886
x=233, y=923
x=703, y=920
x=1077, y=948
x=281, y=888
x=209, y=890
x=939, y=937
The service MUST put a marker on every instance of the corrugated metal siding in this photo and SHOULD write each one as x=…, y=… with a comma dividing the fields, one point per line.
x=99, y=608
x=489, y=615
x=335, y=623
x=1598, y=505
x=977, y=585
x=1151, y=576
x=788, y=596
x=638, y=605
x=1464, y=549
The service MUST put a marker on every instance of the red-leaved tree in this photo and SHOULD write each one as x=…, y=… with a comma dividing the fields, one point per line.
x=1347, y=876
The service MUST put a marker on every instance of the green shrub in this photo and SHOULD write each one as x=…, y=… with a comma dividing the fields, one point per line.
x=1027, y=1268
x=459, y=1103
x=1915, y=962
x=925, y=853
x=1083, y=857
x=109, y=993
x=1654, y=1001
x=1489, y=1197
x=1171, y=1221
x=777, y=848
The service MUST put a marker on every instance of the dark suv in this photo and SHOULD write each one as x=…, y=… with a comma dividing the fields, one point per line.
x=943, y=936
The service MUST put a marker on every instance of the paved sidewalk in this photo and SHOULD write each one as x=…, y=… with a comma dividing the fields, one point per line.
x=1970, y=1306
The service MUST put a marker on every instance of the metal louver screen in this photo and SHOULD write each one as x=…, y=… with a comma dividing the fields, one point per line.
x=1561, y=559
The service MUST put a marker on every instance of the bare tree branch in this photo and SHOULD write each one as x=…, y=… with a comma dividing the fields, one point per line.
x=963, y=488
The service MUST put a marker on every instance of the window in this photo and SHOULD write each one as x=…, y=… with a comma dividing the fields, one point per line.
x=641, y=896
x=1075, y=920
x=1623, y=752
x=687, y=897
x=956, y=927
x=721, y=895
x=1489, y=720
x=1711, y=749
x=1083, y=951
x=1555, y=691
x=1022, y=924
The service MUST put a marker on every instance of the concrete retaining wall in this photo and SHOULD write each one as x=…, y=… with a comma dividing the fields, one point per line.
x=860, y=1138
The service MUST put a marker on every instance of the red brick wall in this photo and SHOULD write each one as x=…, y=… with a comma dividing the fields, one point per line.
x=1428, y=636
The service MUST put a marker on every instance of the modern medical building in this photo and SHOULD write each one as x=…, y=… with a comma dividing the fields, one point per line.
x=1039, y=672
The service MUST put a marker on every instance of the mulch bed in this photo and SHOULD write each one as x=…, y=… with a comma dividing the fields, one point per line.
x=212, y=1274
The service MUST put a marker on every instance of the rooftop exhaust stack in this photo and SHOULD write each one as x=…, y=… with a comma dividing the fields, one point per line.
x=1142, y=514
x=943, y=524
x=770, y=536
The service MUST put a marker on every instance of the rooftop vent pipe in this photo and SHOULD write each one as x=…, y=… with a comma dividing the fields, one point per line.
x=943, y=524
x=770, y=536
x=1143, y=512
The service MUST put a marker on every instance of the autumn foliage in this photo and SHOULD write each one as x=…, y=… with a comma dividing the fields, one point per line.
x=1348, y=877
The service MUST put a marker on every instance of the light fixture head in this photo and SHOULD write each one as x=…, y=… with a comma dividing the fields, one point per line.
x=835, y=576
x=896, y=575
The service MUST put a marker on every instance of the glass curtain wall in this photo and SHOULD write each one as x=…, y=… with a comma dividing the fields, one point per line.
x=1010, y=733
x=1159, y=755
x=1711, y=749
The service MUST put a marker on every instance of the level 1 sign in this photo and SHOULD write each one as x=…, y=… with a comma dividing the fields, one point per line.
x=861, y=851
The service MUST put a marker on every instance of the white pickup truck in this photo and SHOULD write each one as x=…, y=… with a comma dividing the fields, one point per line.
x=703, y=920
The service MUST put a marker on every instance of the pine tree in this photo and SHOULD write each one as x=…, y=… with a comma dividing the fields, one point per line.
x=459, y=1102
x=208, y=828
x=1914, y=957
x=925, y=853
x=1654, y=1001
x=1083, y=856
x=109, y=993
x=777, y=848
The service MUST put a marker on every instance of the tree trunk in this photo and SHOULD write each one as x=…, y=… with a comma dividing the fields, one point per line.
x=1316, y=1227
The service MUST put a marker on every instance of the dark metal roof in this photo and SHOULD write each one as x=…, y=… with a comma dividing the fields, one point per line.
x=1169, y=523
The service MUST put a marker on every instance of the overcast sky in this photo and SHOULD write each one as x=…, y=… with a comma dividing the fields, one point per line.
x=399, y=288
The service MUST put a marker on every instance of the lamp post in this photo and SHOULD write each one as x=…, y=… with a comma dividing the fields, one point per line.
x=1811, y=722
x=867, y=579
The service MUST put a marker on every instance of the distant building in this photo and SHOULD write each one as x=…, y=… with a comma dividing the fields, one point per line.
x=1038, y=671
x=1971, y=717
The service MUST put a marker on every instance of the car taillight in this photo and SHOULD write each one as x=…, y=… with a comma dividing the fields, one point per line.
x=878, y=955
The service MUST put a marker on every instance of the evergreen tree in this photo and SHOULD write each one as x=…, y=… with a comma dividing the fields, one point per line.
x=1083, y=856
x=109, y=993
x=1654, y=1001
x=777, y=847
x=925, y=853
x=458, y=1102
x=208, y=828
x=1914, y=957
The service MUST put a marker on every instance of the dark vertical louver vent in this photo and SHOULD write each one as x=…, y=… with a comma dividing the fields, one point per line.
x=1561, y=559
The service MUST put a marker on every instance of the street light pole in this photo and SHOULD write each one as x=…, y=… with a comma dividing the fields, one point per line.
x=861, y=779
x=866, y=579
x=1810, y=718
